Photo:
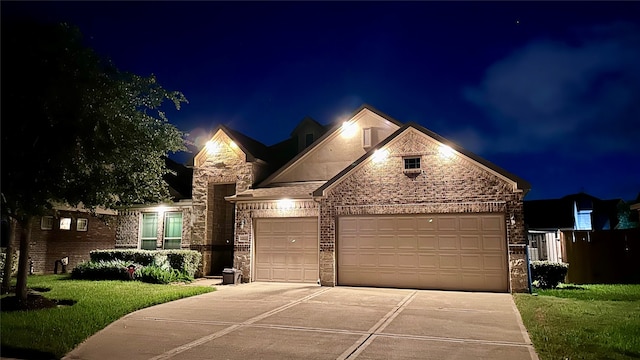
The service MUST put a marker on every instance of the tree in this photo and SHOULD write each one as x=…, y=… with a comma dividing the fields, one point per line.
x=76, y=130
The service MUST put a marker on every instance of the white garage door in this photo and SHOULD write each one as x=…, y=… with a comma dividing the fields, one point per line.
x=445, y=251
x=286, y=249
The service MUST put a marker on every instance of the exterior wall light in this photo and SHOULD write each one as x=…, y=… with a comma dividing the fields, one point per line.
x=349, y=129
x=285, y=204
x=445, y=152
x=379, y=156
x=233, y=145
x=212, y=147
x=161, y=209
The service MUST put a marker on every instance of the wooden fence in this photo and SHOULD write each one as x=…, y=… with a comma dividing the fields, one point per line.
x=603, y=257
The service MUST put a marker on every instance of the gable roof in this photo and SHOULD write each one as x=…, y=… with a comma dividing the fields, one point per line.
x=253, y=149
x=335, y=127
x=521, y=184
x=307, y=120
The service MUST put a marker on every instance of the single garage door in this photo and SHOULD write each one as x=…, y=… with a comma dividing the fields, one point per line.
x=286, y=249
x=445, y=251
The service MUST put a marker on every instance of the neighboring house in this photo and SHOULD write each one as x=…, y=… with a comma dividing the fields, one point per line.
x=550, y=222
x=368, y=202
x=596, y=237
x=67, y=232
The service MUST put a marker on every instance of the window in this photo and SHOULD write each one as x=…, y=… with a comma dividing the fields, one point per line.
x=308, y=140
x=149, y=231
x=82, y=224
x=65, y=223
x=172, y=230
x=366, y=137
x=46, y=223
x=412, y=163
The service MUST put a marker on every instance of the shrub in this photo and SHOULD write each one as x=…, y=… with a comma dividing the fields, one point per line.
x=185, y=261
x=157, y=275
x=14, y=265
x=546, y=274
x=101, y=270
x=142, y=257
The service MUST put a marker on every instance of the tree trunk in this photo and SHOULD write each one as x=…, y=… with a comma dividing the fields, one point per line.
x=8, y=264
x=23, y=263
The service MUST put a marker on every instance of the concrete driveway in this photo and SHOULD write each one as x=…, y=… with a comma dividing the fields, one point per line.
x=295, y=321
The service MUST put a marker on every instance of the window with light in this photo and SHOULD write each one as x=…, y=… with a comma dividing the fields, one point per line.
x=172, y=230
x=149, y=231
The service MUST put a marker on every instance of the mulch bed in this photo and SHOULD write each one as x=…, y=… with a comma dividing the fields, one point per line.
x=35, y=301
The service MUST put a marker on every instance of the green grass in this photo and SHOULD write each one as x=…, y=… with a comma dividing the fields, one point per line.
x=57, y=331
x=583, y=321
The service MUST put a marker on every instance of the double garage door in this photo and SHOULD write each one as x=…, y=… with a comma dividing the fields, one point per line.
x=446, y=251
x=451, y=252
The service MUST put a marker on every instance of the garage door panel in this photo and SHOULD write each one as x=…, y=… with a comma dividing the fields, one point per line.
x=427, y=242
x=492, y=223
x=448, y=242
x=493, y=262
x=386, y=225
x=407, y=242
x=366, y=224
x=386, y=242
x=492, y=243
x=408, y=260
x=471, y=262
x=470, y=242
x=449, y=261
x=445, y=251
x=405, y=224
x=447, y=223
x=286, y=249
x=470, y=224
x=428, y=261
x=388, y=260
x=277, y=259
x=367, y=242
x=426, y=223
x=368, y=260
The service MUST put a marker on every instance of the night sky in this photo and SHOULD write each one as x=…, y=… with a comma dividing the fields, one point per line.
x=549, y=91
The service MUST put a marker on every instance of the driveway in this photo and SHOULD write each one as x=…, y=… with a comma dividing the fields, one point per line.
x=296, y=321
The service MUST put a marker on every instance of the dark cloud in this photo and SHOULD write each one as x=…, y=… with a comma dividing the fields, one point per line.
x=582, y=93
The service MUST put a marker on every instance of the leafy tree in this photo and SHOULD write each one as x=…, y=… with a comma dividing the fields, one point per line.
x=76, y=130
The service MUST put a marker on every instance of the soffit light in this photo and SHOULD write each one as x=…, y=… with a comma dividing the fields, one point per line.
x=380, y=155
x=212, y=147
x=285, y=204
x=445, y=151
x=349, y=129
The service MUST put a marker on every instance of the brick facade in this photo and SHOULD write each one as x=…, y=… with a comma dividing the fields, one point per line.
x=47, y=246
x=227, y=164
x=448, y=185
x=127, y=235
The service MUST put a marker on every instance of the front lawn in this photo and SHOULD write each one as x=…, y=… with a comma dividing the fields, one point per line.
x=54, y=332
x=583, y=321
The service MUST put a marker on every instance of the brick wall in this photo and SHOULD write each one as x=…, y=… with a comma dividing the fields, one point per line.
x=127, y=233
x=448, y=185
x=226, y=165
x=47, y=246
